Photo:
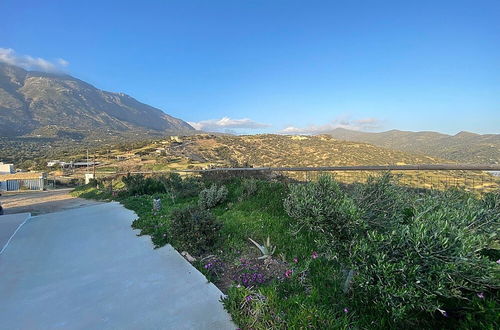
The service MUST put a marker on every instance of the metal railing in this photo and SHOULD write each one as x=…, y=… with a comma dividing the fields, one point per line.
x=477, y=178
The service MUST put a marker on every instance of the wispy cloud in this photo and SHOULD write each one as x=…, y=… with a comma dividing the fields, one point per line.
x=9, y=56
x=226, y=124
x=365, y=124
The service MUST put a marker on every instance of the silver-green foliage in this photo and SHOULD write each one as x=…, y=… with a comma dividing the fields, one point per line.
x=432, y=259
x=213, y=196
x=323, y=207
x=406, y=252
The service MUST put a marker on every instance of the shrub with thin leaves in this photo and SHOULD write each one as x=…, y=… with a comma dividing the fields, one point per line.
x=194, y=229
x=249, y=187
x=213, y=196
x=139, y=185
x=429, y=263
x=179, y=188
x=323, y=207
x=383, y=203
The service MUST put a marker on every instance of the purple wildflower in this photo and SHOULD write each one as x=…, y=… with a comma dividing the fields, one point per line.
x=288, y=273
x=295, y=260
x=480, y=295
x=498, y=261
x=314, y=255
x=346, y=310
x=443, y=312
x=248, y=298
x=250, y=279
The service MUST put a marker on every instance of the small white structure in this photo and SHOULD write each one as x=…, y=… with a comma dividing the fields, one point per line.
x=88, y=177
x=7, y=168
x=53, y=163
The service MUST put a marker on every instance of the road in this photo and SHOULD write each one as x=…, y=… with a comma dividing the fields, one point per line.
x=41, y=202
x=85, y=268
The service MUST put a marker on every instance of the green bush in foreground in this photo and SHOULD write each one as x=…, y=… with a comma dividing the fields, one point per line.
x=383, y=204
x=323, y=207
x=194, y=229
x=409, y=253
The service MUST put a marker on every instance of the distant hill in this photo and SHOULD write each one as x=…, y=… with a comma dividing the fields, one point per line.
x=45, y=104
x=464, y=147
x=284, y=151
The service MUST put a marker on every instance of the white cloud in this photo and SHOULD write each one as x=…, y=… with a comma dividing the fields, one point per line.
x=227, y=124
x=9, y=56
x=365, y=124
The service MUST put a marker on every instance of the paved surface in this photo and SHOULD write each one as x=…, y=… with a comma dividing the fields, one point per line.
x=86, y=269
x=41, y=202
x=8, y=226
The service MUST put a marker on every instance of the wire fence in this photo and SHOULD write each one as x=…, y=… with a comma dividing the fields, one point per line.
x=476, y=178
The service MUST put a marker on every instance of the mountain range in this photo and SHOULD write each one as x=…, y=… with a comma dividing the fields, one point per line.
x=35, y=106
x=464, y=147
x=46, y=104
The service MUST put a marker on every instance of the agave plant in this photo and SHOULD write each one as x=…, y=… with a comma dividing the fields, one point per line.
x=267, y=250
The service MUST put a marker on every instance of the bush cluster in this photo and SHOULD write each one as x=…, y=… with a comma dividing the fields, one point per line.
x=213, y=196
x=194, y=229
x=139, y=185
x=323, y=207
x=171, y=184
x=409, y=253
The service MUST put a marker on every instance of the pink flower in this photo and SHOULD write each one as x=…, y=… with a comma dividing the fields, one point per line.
x=346, y=310
x=314, y=255
x=288, y=273
x=480, y=295
x=498, y=261
x=295, y=260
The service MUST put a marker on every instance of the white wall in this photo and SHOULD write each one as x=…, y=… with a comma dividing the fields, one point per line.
x=7, y=168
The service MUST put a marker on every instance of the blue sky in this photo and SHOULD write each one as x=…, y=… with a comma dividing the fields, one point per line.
x=277, y=66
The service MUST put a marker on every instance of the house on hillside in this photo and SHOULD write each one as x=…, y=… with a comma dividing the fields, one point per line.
x=53, y=163
x=12, y=181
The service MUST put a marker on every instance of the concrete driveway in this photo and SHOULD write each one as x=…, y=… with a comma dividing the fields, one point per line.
x=86, y=269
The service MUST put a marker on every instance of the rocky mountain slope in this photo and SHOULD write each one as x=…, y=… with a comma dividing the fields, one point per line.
x=464, y=147
x=288, y=151
x=37, y=103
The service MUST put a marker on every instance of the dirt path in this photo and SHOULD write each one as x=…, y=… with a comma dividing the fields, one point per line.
x=41, y=202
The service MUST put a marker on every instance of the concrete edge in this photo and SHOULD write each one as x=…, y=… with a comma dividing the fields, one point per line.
x=146, y=239
x=28, y=216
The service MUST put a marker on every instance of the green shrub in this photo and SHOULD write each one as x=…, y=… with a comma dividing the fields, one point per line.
x=139, y=185
x=249, y=187
x=213, y=196
x=194, y=229
x=383, y=203
x=323, y=207
x=179, y=188
x=431, y=262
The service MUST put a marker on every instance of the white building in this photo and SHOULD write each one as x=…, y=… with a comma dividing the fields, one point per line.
x=12, y=181
x=7, y=168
